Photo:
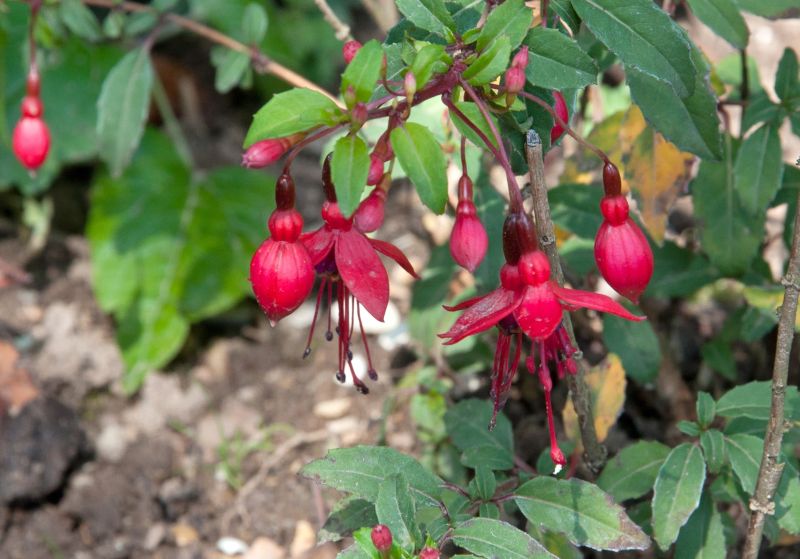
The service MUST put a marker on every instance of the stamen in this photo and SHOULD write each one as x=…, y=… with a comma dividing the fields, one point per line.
x=556, y=455
x=307, y=351
x=373, y=374
x=328, y=333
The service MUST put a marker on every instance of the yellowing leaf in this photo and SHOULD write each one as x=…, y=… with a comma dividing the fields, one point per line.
x=768, y=300
x=655, y=168
x=606, y=383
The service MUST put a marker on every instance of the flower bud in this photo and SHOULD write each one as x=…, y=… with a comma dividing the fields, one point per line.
x=381, y=538
x=520, y=59
x=410, y=86
x=621, y=250
x=515, y=80
x=375, y=169
x=349, y=50
x=370, y=213
x=468, y=241
x=358, y=116
x=429, y=553
x=267, y=152
x=612, y=182
x=31, y=141
x=560, y=107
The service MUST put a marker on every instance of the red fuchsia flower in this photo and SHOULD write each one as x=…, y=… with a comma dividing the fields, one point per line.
x=375, y=170
x=380, y=155
x=560, y=107
x=621, y=250
x=368, y=217
x=530, y=304
x=31, y=138
x=381, y=538
x=281, y=272
x=468, y=241
x=348, y=263
x=349, y=50
x=267, y=152
x=429, y=553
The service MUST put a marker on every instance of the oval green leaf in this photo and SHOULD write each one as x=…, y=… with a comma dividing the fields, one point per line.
x=422, y=160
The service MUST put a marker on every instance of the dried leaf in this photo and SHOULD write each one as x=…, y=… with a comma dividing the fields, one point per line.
x=16, y=386
x=607, y=386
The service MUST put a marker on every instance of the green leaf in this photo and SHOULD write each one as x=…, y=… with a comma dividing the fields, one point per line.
x=702, y=537
x=347, y=516
x=717, y=355
x=644, y=37
x=754, y=399
x=759, y=169
x=678, y=272
x=422, y=160
x=474, y=114
x=730, y=236
x=364, y=70
x=354, y=552
x=468, y=425
x=430, y=15
x=581, y=511
x=296, y=110
x=574, y=208
x=786, y=79
x=490, y=63
x=360, y=470
x=231, y=67
x=488, y=456
x=766, y=9
x=677, y=492
x=394, y=507
x=689, y=122
x=632, y=472
x=254, y=23
x=706, y=409
x=489, y=510
x=744, y=454
x=688, y=428
x=787, y=499
x=723, y=17
x=713, y=444
x=556, y=61
x=511, y=20
x=349, y=170
x=492, y=539
x=363, y=539
x=636, y=344
x=80, y=20
x=122, y=109
x=567, y=13
x=484, y=482
x=429, y=59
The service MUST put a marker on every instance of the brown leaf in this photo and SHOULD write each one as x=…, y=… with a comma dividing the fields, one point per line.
x=606, y=384
x=16, y=386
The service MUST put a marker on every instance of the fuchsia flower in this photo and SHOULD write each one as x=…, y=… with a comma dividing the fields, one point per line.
x=31, y=138
x=267, y=152
x=621, y=250
x=515, y=75
x=348, y=261
x=530, y=304
x=560, y=107
x=468, y=241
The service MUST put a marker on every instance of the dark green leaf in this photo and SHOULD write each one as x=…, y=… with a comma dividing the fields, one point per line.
x=355, y=552
x=574, y=207
x=366, y=548
x=488, y=456
x=493, y=539
x=347, y=516
x=566, y=13
x=395, y=508
x=254, y=23
x=723, y=17
x=231, y=67
x=730, y=236
x=429, y=59
x=756, y=323
x=427, y=317
x=636, y=344
x=466, y=14
x=556, y=61
x=644, y=37
x=702, y=537
x=759, y=169
x=421, y=157
x=296, y=110
x=706, y=409
x=786, y=80
x=713, y=443
x=511, y=20
x=363, y=71
x=122, y=109
x=787, y=499
x=677, y=492
x=718, y=355
x=430, y=15
x=760, y=108
x=489, y=510
x=80, y=20
x=473, y=113
x=581, y=511
x=767, y=9
x=490, y=63
x=688, y=428
x=349, y=170
x=690, y=122
x=678, y=271
x=468, y=425
x=484, y=482
x=753, y=400
x=744, y=453
x=360, y=470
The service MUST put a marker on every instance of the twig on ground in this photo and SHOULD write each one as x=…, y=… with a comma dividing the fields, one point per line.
x=594, y=452
x=769, y=474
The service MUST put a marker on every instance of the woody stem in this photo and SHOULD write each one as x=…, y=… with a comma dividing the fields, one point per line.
x=594, y=452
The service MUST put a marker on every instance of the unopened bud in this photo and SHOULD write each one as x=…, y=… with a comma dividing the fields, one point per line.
x=410, y=86
x=560, y=108
x=358, y=116
x=515, y=80
x=429, y=553
x=381, y=538
x=349, y=50
x=375, y=169
x=267, y=152
x=520, y=59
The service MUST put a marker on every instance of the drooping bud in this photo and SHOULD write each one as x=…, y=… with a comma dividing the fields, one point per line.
x=560, y=107
x=612, y=182
x=327, y=182
x=381, y=538
x=621, y=250
x=349, y=50
x=267, y=152
x=515, y=80
x=375, y=169
x=370, y=213
x=518, y=236
x=429, y=553
x=520, y=59
x=31, y=138
x=468, y=241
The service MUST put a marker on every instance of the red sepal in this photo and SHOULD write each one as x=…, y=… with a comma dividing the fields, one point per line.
x=388, y=249
x=362, y=271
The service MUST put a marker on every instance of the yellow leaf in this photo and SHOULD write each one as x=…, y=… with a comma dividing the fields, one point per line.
x=768, y=300
x=655, y=168
x=583, y=167
x=606, y=383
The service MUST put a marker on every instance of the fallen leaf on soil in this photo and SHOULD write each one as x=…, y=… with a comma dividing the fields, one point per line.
x=16, y=386
x=184, y=534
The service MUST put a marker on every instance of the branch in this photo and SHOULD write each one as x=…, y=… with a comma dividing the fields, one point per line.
x=340, y=28
x=594, y=452
x=260, y=61
x=769, y=474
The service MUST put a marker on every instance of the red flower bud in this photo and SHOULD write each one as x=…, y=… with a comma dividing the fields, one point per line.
x=429, y=553
x=515, y=79
x=468, y=241
x=375, y=169
x=369, y=215
x=349, y=50
x=381, y=538
x=621, y=250
x=520, y=59
x=31, y=139
x=267, y=152
x=560, y=107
